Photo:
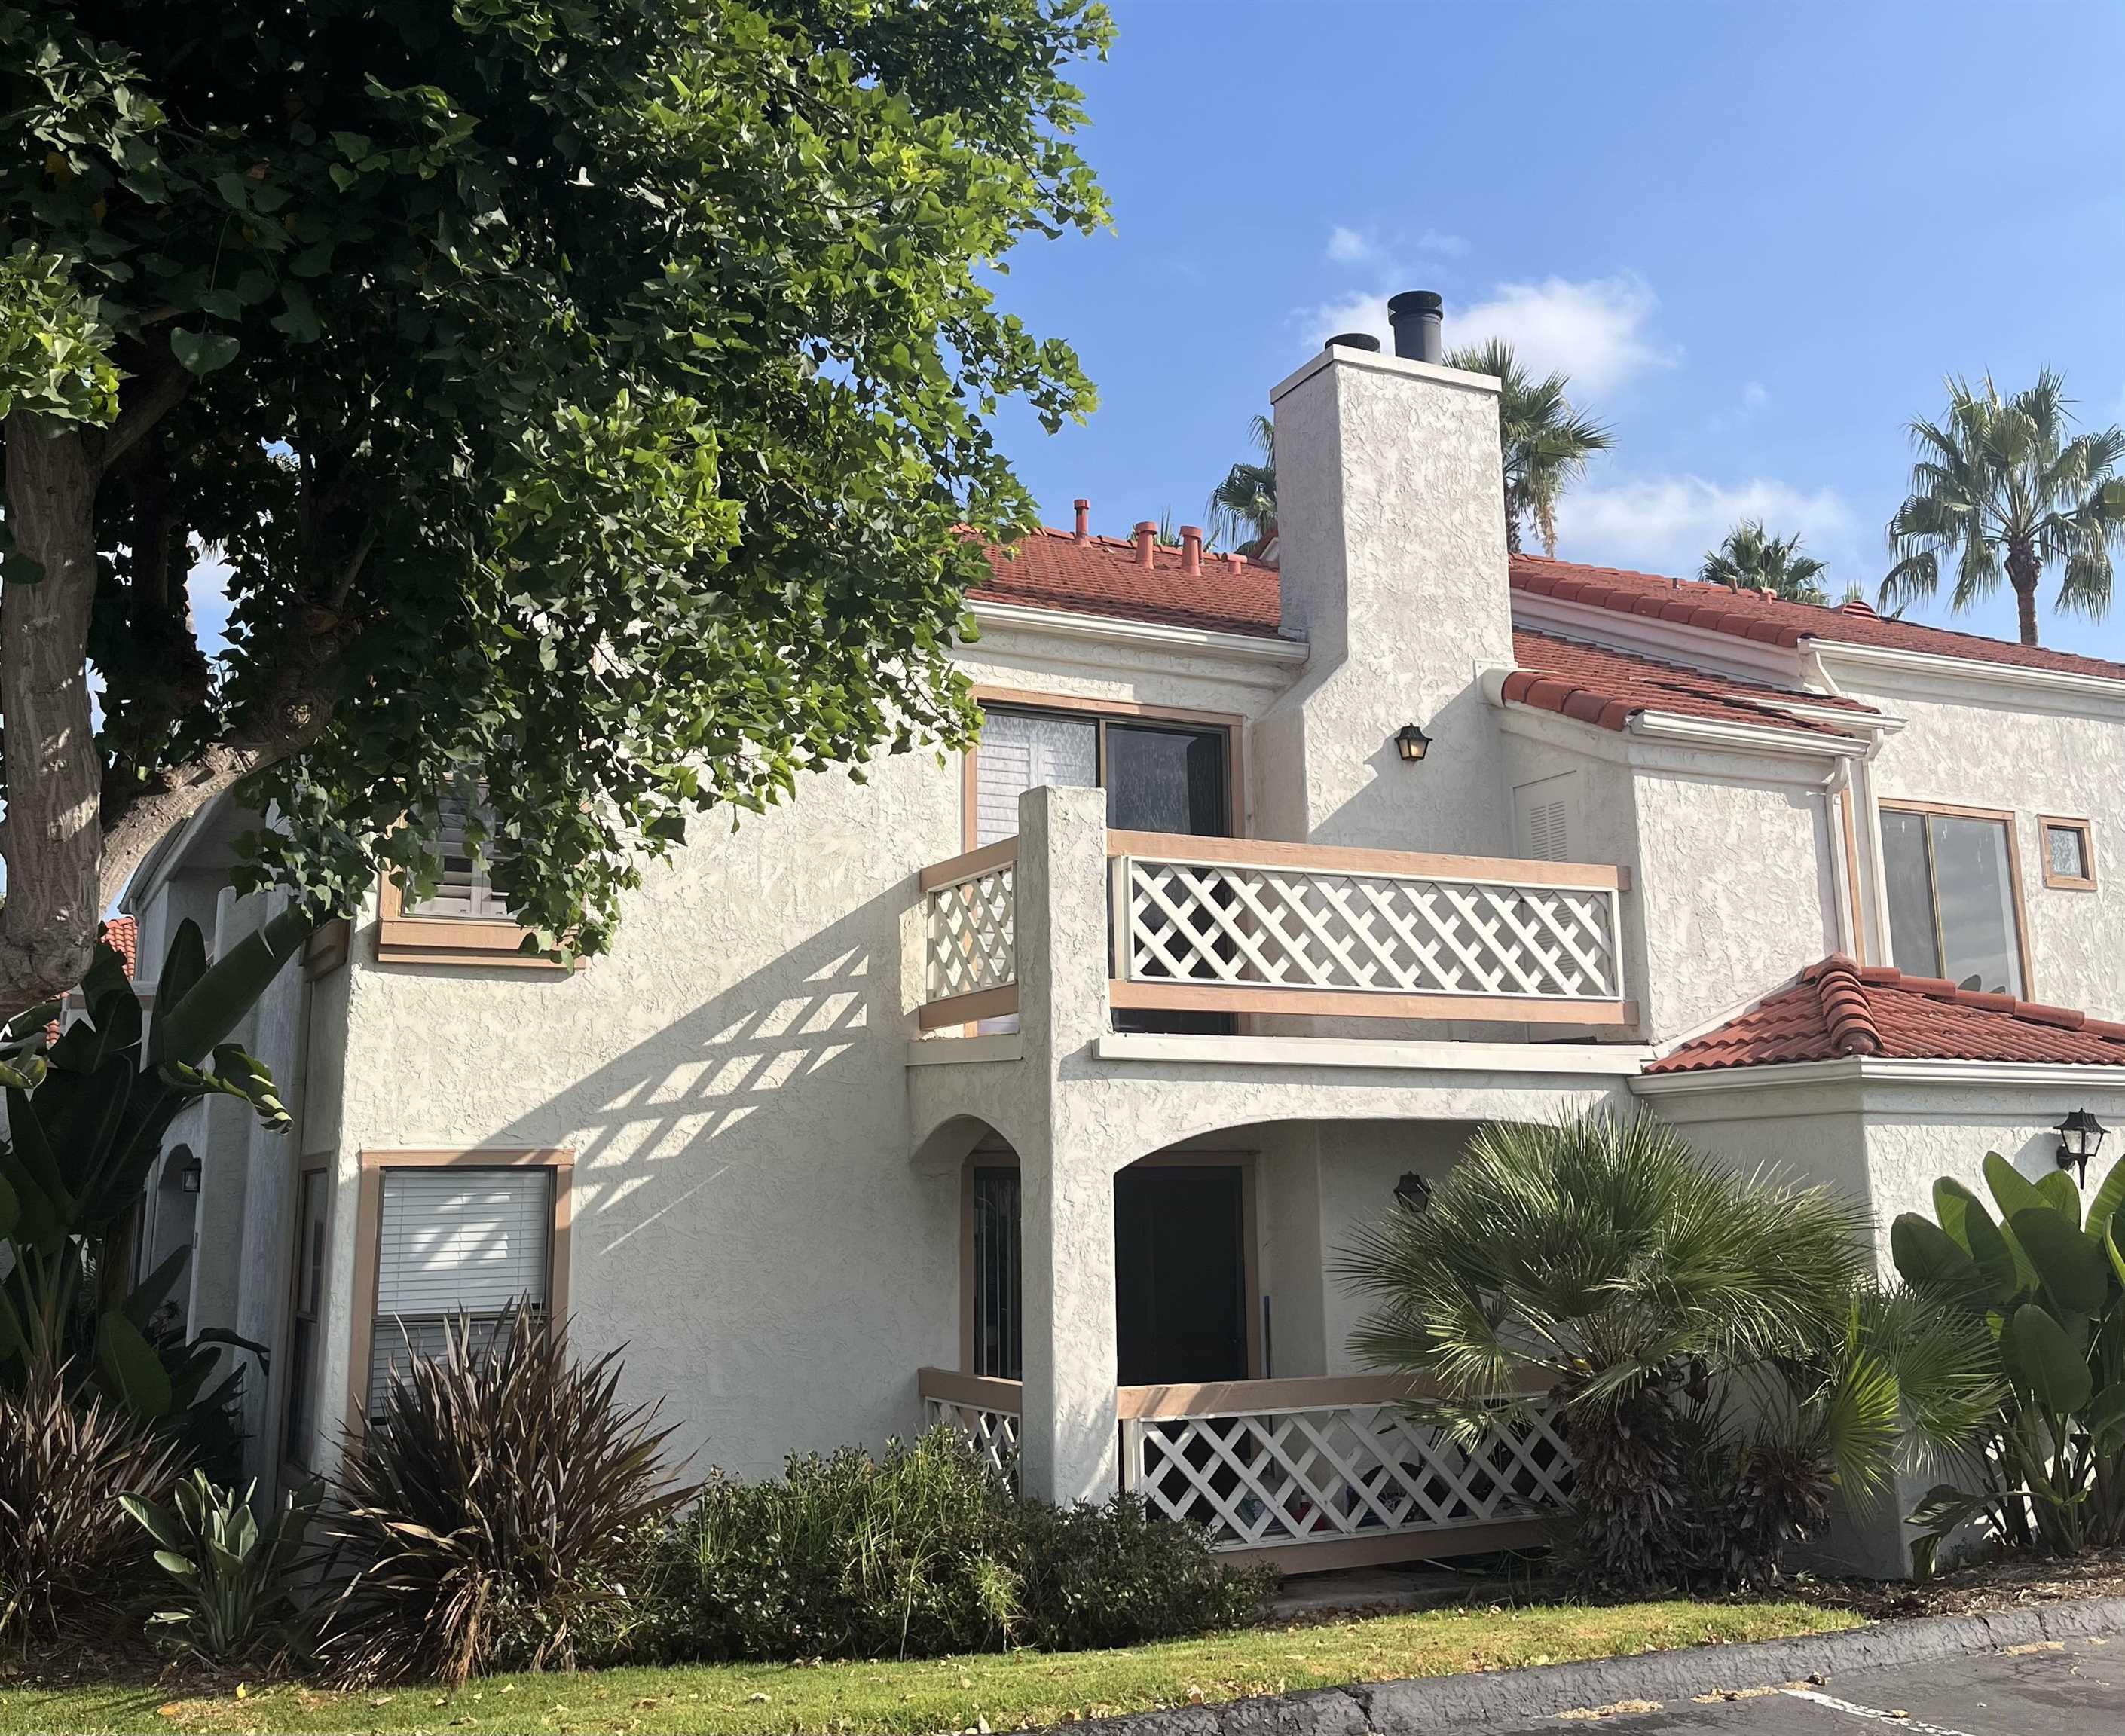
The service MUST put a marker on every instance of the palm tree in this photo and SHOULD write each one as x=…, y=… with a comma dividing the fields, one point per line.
x=1544, y=441
x=1243, y=506
x=1752, y=559
x=1997, y=485
x=1658, y=1299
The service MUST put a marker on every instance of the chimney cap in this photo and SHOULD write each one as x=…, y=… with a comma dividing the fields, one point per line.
x=1353, y=341
x=1416, y=301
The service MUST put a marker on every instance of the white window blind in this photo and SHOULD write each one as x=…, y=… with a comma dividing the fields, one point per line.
x=452, y=1239
x=1545, y=815
x=463, y=891
x=1018, y=753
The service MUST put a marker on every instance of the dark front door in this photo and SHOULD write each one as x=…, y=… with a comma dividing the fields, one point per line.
x=1180, y=1300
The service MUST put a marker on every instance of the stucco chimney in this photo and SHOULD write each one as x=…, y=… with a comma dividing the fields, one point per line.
x=1146, y=539
x=1391, y=539
x=1191, y=548
x=1084, y=531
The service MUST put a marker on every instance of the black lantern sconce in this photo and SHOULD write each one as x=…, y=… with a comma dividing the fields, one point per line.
x=188, y=1178
x=2081, y=1137
x=1412, y=1193
x=1412, y=742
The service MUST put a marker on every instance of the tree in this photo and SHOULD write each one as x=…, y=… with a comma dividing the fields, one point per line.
x=591, y=400
x=1544, y=441
x=1707, y=1336
x=1752, y=559
x=1999, y=485
x=1243, y=506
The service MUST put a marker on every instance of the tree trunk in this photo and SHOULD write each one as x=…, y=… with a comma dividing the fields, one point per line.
x=2023, y=570
x=53, y=835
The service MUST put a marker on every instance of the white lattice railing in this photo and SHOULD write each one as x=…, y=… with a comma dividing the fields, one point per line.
x=986, y=1410
x=970, y=952
x=1239, y=924
x=1283, y=1464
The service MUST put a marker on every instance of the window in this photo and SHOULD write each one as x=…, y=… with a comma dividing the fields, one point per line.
x=453, y=1238
x=463, y=891
x=2069, y=855
x=307, y=1314
x=998, y=1341
x=1953, y=909
x=465, y=922
x=1158, y=777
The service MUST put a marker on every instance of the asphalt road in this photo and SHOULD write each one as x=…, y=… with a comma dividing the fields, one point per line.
x=2074, y=1688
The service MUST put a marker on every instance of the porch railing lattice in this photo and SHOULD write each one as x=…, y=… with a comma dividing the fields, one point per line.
x=971, y=935
x=1262, y=1478
x=1224, y=925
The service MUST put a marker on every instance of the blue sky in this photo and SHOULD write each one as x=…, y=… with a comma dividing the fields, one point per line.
x=1757, y=236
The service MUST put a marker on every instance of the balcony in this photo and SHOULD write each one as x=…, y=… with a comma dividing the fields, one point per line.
x=1246, y=926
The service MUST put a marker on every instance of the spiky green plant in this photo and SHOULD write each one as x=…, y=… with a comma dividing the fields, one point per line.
x=1243, y=506
x=1544, y=443
x=1671, y=1308
x=2001, y=488
x=240, y=1574
x=1750, y=558
x=496, y=1514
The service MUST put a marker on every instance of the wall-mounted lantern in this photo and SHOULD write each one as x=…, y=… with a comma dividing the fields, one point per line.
x=2081, y=1137
x=188, y=1178
x=1412, y=742
x=1412, y=1193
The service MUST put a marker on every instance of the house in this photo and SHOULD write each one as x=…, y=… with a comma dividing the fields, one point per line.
x=1036, y=1088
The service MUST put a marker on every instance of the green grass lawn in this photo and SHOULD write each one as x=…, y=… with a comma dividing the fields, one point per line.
x=1010, y=1692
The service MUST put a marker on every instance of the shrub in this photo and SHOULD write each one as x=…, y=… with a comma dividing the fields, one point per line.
x=1119, y=1574
x=1657, y=1299
x=925, y=1552
x=845, y=1556
x=68, y=1552
x=239, y=1576
x=498, y=1515
x=2043, y=1290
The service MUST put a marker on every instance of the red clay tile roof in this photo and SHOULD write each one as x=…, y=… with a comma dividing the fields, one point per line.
x=1773, y=620
x=1598, y=686
x=1838, y=1008
x=124, y=935
x=1051, y=569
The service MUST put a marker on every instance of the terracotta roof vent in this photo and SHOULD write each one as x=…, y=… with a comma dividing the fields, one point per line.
x=1857, y=606
x=1083, y=533
x=1146, y=540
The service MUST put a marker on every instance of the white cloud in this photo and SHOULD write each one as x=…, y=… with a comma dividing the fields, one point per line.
x=1348, y=248
x=1755, y=395
x=1665, y=524
x=1597, y=330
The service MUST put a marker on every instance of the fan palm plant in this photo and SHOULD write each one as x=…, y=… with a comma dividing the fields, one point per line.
x=1544, y=442
x=1752, y=559
x=1654, y=1297
x=1998, y=487
x=1243, y=506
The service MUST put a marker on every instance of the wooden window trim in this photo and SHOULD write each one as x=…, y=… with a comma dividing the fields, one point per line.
x=2046, y=823
x=402, y=939
x=1232, y=724
x=369, y=1231
x=1245, y=1162
x=2005, y=817
x=327, y=948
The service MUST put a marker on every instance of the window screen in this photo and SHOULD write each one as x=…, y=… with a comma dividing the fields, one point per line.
x=463, y=891
x=998, y=1342
x=1951, y=887
x=1019, y=752
x=2066, y=853
x=452, y=1239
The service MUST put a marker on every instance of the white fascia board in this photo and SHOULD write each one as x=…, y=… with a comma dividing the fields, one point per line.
x=1379, y=361
x=1762, y=738
x=1329, y=1054
x=1673, y=642
x=1977, y=682
x=1887, y=1070
x=1114, y=630
x=1669, y=757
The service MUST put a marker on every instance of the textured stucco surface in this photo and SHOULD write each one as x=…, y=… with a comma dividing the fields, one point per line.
x=2064, y=763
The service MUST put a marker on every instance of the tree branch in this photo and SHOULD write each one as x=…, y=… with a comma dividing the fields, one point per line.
x=164, y=392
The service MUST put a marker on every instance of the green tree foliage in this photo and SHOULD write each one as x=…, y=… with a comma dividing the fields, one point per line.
x=1545, y=442
x=1751, y=558
x=1708, y=1337
x=2000, y=486
x=2047, y=1286
x=1243, y=506
x=582, y=394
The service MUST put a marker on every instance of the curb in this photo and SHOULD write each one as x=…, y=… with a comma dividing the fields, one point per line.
x=1509, y=1699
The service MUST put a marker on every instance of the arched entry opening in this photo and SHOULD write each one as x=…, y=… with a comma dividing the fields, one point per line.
x=1186, y=1293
